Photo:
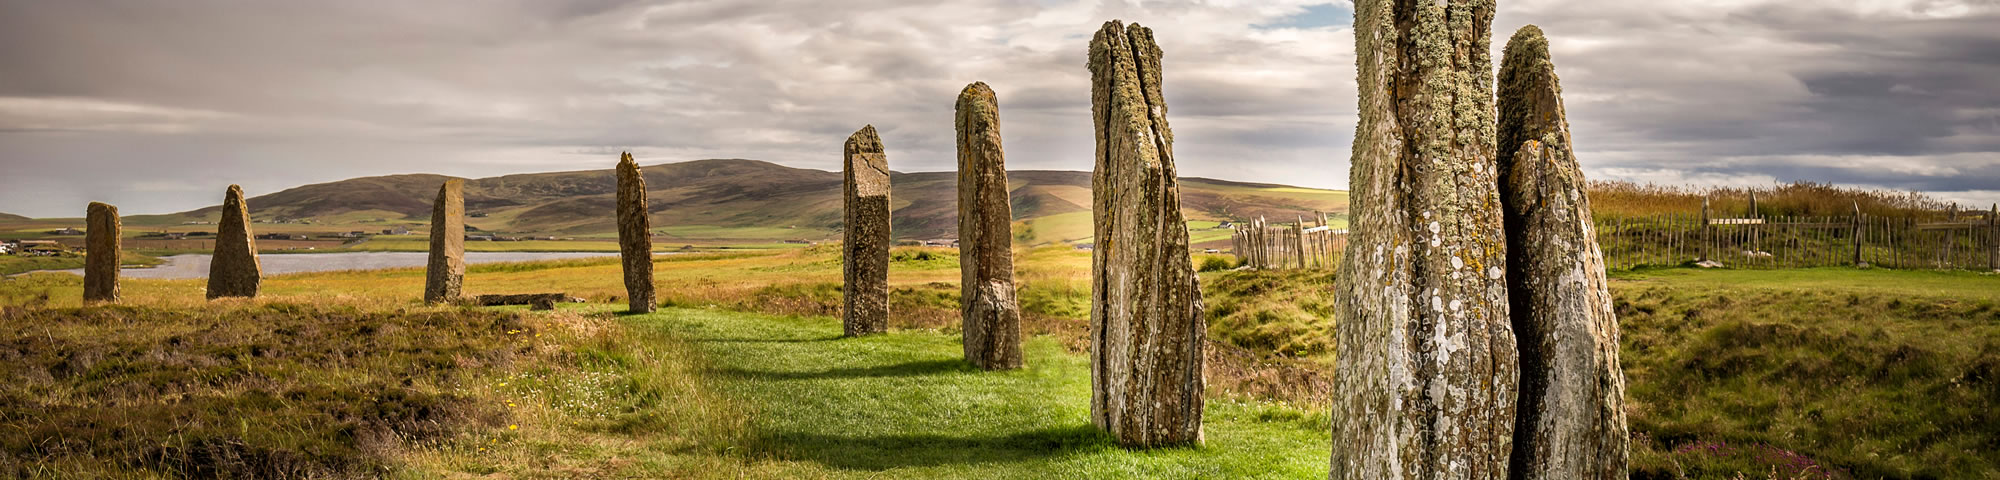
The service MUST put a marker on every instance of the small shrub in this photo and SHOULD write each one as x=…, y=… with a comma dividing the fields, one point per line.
x=1216, y=264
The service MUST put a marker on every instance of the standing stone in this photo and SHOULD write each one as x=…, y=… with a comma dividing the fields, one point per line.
x=990, y=312
x=444, y=277
x=635, y=235
x=866, y=236
x=233, y=271
x=1570, y=420
x=1427, y=367
x=100, y=260
x=1146, y=326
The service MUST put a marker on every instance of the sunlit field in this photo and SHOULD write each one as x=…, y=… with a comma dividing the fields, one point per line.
x=1868, y=373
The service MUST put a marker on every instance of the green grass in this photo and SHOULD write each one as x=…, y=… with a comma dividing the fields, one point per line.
x=1287, y=312
x=422, y=243
x=1883, y=374
x=905, y=405
x=1880, y=373
x=1055, y=229
x=705, y=233
x=13, y=264
x=1075, y=227
x=269, y=391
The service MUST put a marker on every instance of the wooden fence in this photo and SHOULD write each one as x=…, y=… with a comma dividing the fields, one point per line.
x=1952, y=240
x=1265, y=246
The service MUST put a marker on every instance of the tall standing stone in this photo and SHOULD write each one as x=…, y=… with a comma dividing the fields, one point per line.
x=1427, y=366
x=990, y=312
x=635, y=235
x=866, y=236
x=1146, y=325
x=233, y=271
x=444, y=277
x=1570, y=419
x=100, y=260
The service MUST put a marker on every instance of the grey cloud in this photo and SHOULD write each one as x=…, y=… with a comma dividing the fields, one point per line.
x=124, y=100
x=1871, y=94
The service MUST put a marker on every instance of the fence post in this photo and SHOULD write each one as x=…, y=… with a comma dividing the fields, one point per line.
x=1857, y=234
x=1944, y=257
x=1756, y=229
x=1707, y=233
x=1993, y=238
x=1299, y=241
x=1263, y=245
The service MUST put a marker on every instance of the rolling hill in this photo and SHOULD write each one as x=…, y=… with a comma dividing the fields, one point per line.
x=735, y=199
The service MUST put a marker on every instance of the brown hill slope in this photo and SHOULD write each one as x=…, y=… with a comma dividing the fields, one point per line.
x=747, y=198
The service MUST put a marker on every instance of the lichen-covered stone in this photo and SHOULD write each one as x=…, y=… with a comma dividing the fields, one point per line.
x=865, y=268
x=1427, y=369
x=1570, y=416
x=1146, y=325
x=233, y=271
x=635, y=235
x=100, y=259
x=991, y=314
x=444, y=276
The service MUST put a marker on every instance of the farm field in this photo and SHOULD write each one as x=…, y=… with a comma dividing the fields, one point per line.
x=1874, y=373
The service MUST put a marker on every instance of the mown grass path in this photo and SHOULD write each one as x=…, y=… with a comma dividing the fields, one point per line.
x=904, y=405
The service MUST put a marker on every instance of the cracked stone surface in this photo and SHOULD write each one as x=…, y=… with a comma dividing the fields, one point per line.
x=1427, y=369
x=101, y=255
x=233, y=271
x=990, y=312
x=1146, y=321
x=444, y=276
x=635, y=235
x=1570, y=418
x=865, y=238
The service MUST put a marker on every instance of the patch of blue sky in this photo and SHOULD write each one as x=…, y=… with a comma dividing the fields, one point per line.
x=1315, y=16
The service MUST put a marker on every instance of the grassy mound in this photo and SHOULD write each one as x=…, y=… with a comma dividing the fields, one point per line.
x=1814, y=374
x=271, y=391
x=280, y=390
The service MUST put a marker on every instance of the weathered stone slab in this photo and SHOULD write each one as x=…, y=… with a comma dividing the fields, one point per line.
x=444, y=276
x=234, y=271
x=991, y=314
x=1427, y=368
x=635, y=235
x=534, y=301
x=101, y=255
x=1146, y=321
x=865, y=269
x=1570, y=419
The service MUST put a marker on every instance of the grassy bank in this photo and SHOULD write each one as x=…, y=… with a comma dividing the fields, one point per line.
x=1874, y=373
x=266, y=391
x=13, y=264
x=1880, y=374
x=263, y=389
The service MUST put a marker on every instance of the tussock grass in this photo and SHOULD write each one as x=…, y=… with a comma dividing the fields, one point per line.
x=1284, y=312
x=273, y=390
x=1875, y=373
x=1869, y=374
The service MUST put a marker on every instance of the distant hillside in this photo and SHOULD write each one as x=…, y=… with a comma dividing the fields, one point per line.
x=9, y=217
x=745, y=199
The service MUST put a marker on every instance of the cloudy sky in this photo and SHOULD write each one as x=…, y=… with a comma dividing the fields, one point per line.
x=157, y=105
